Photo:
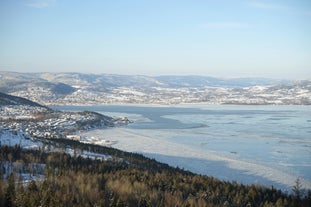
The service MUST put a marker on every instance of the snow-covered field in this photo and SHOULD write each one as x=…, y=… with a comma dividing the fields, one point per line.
x=267, y=145
x=12, y=139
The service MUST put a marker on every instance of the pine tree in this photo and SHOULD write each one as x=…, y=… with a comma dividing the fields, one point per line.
x=297, y=189
x=10, y=192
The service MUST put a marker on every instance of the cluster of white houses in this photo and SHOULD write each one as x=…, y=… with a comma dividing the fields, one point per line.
x=34, y=122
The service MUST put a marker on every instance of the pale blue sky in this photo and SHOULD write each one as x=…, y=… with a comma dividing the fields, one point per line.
x=222, y=38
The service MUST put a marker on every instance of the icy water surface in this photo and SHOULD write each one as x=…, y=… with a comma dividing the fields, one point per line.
x=268, y=145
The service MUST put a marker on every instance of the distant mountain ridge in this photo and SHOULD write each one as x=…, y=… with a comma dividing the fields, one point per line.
x=111, y=80
x=11, y=82
x=92, y=89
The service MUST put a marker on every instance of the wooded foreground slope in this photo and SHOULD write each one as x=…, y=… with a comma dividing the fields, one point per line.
x=127, y=179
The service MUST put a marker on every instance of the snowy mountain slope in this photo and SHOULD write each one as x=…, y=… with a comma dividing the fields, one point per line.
x=96, y=89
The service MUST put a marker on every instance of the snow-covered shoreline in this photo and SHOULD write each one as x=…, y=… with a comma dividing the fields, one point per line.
x=198, y=160
x=272, y=138
x=266, y=145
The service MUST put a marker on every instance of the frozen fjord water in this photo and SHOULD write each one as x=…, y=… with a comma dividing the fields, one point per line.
x=269, y=145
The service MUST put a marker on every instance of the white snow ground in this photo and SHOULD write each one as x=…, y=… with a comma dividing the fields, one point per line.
x=11, y=139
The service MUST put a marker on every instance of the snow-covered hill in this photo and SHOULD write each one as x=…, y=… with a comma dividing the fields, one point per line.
x=96, y=89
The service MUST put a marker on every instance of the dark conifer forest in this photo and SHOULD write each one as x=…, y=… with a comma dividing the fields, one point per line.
x=125, y=179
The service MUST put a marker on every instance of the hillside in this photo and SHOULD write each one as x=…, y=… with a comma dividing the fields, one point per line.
x=96, y=89
x=126, y=179
x=31, y=119
x=6, y=100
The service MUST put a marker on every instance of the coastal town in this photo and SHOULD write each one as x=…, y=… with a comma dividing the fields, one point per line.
x=254, y=95
x=39, y=122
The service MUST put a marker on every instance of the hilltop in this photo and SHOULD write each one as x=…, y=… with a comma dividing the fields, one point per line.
x=96, y=89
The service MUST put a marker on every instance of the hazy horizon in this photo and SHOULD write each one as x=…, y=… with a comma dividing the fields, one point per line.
x=224, y=39
x=159, y=75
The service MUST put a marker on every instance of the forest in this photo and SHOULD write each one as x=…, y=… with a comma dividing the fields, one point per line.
x=125, y=179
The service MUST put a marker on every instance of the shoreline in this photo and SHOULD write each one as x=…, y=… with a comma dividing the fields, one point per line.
x=151, y=134
x=201, y=162
x=170, y=105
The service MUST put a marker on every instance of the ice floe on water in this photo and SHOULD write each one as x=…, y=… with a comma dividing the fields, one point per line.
x=198, y=160
x=269, y=145
x=242, y=143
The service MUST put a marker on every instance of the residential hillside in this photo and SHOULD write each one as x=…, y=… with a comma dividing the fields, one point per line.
x=96, y=89
x=32, y=120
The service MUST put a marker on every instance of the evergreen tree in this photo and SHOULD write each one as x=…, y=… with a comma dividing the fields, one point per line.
x=10, y=192
x=297, y=189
